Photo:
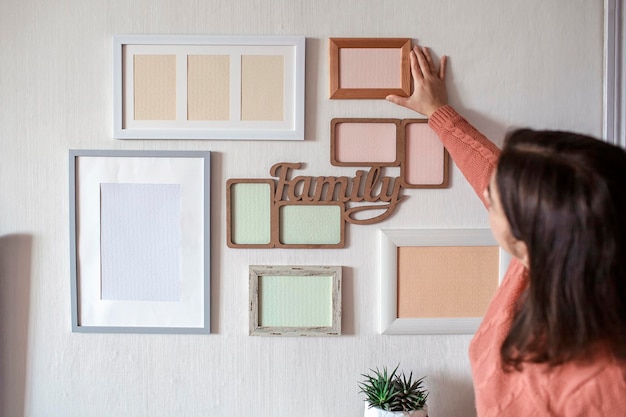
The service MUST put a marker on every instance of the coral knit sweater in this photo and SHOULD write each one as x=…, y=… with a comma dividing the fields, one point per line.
x=590, y=389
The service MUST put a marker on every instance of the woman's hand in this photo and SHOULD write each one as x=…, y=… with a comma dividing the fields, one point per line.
x=429, y=84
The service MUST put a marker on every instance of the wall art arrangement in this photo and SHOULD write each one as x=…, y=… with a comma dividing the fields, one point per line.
x=140, y=241
x=437, y=281
x=369, y=68
x=295, y=300
x=305, y=212
x=209, y=87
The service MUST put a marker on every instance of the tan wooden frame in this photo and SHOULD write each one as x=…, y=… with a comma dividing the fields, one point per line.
x=229, y=208
x=275, y=241
x=276, y=223
x=335, y=44
x=402, y=147
x=333, y=142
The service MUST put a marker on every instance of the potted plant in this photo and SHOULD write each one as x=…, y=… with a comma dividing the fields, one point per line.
x=393, y=394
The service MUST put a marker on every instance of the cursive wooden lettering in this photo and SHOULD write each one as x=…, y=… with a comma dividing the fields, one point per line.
x=366, y=186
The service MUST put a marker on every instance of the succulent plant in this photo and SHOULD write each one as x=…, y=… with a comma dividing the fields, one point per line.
x=393, y=391
x=411, y=394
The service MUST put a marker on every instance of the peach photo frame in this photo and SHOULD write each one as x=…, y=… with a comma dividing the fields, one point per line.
x=437, y=281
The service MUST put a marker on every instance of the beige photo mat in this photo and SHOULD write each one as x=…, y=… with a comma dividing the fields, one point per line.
x=204, y=84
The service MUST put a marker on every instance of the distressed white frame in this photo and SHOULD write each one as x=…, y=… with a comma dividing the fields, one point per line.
x=390, y=241
x=90, y=313
x=614, y=88
x=291, y=47
x=256, y=271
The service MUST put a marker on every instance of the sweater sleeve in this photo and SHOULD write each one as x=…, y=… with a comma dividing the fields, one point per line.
x=592, y=391
x=601, y=400
x=474, y=154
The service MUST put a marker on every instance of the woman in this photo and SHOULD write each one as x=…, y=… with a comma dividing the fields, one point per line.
x=553, y=340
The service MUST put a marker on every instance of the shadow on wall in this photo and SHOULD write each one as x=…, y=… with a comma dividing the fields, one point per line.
x=15, y=278
x=451, y=396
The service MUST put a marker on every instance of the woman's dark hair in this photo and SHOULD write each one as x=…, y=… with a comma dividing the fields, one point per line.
x=564, y=195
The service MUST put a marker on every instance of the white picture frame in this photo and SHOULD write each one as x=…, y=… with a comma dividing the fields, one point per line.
x=110, y=190
x=390, y=241
x=288, y=124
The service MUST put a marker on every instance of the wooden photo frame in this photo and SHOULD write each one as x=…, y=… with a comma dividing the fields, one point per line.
x=424, y=162
x=304, y=225
x=249, y=213
x=140, y=241
x=365, y=142
x=369, y=68
x=382, y=142
x=255, y=220
x=295, y=300
x=448, y=277
x=209, y=87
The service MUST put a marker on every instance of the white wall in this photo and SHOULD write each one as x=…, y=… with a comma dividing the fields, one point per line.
x=512, y=63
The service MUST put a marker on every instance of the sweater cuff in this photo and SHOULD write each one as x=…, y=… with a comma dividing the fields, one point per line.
x=441, y=116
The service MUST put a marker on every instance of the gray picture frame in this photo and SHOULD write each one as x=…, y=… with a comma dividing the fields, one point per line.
x=191, y=313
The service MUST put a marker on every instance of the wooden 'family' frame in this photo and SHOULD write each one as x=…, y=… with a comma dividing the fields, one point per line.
x=372, y=62
x=390, y=242
x=208, y=87
x=414, y=155
x=295, y=300
x=140, y=241
x=383, y=142
x=254, y=219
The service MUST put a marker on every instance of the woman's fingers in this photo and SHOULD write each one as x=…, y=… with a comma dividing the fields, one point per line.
x=415, y=68
x=429, y=60
x=442, y=67
x=399, y=100
x=429, y=89
x=422, y=62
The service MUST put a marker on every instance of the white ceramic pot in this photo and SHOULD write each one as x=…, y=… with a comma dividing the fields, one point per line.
x=377, y=412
